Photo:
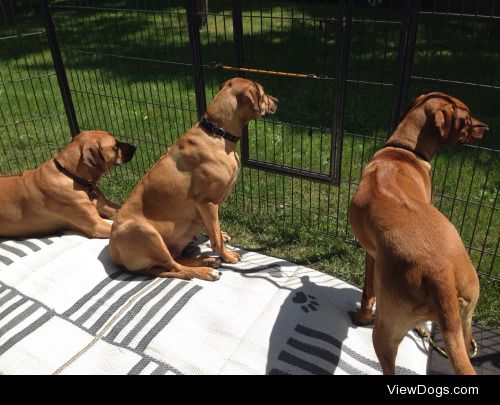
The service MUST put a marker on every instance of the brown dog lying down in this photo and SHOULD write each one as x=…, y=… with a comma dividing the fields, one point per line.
x=182, y=193
x=61, y=194
x=416, y=264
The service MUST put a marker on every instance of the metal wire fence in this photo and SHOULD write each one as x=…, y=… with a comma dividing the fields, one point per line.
x=32, y=120
x=143, y=69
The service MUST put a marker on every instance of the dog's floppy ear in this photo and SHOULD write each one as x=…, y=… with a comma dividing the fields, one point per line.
x=249, y=97
x=92, y=156
x=443, y=119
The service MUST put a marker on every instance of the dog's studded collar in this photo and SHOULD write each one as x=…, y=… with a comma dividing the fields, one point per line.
x=91, y=187
x=406, y=147
x=212, y=129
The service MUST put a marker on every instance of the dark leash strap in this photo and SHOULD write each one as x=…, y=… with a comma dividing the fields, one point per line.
x=91, y=187
x=406, y=147
x=211, y=128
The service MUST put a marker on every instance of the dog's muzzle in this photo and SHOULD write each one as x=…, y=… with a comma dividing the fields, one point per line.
x=128, y=151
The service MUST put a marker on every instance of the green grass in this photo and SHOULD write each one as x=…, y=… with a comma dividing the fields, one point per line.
x=129, y=73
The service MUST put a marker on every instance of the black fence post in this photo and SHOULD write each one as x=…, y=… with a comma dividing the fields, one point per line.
x=8, y=8
x=240, y=62
x=404, y=61
x=194, y=41
x=343, y=37
x=238, y=34
x=59, y=67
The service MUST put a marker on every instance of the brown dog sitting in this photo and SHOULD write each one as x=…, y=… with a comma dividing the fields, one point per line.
x=416, y=264
x=182, y=193
x=61, y=194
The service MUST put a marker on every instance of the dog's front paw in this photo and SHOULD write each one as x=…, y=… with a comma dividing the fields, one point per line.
x=215, y=275
x=203, y=273
x=231, y=257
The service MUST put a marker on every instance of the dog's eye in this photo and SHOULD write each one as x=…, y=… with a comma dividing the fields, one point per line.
x=115, y=147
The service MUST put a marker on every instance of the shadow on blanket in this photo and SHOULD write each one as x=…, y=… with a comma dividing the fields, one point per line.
x=309, y=333
x=310, y=329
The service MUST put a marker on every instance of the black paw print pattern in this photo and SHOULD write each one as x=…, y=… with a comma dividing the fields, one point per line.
x=307, y=302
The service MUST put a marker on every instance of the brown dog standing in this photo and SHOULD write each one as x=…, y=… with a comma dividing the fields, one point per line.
x=416, y=264
x=182, y=193
x=61, y=194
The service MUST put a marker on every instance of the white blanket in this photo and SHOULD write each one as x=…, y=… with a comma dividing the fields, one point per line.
x=65, y=308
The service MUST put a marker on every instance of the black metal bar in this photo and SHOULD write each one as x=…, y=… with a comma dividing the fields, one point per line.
x=406, y=50
x=240, y=62
x=194, y=41
x=238, y=34
x=343, y=37
x=59, y=68
x=290, y=171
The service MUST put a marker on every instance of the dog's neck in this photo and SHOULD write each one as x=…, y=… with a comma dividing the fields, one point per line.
x=225, y=116
x=78, y=168
x=413, y=132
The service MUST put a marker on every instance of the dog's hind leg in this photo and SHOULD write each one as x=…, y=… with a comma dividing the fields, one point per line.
x=139, y=247
x=364, y=315
x=388, y=331
x=467, y=312
x=447, y=307
x=208, y=261
x=468, y=305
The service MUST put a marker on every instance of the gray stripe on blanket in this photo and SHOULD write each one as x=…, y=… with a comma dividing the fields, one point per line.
x=46, y=241
x=28, y=244
x=159, y=371
x=302, y=364
x=26, y=331
x=50, y=314
x=13, y=306
x=303, y=330
x=141, y=365
x=5, y=260
x=19, y=318
x=167, y=318
x=116, y=305
x=127, y=318
x=166, y=367
x=326, y=355
x=276, y=371
x=7, y=297
x=152, y=311
x=98, y=288
x=16, y=251
x=96, y=305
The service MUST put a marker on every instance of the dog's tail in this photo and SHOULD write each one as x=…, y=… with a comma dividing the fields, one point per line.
x=455, y=321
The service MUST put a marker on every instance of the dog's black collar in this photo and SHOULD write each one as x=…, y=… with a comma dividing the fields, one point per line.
x=212, y=128
x=406, y=147
x=91, y=187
